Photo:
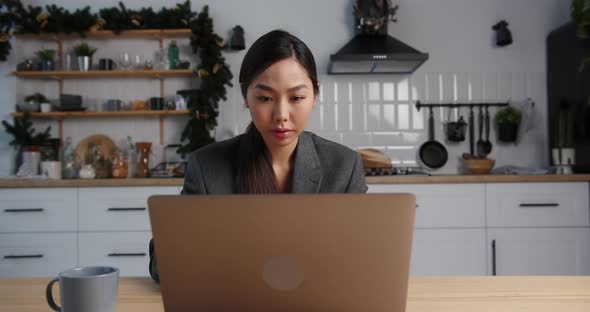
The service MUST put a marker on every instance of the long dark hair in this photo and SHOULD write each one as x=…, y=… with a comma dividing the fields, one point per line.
x=255, y=173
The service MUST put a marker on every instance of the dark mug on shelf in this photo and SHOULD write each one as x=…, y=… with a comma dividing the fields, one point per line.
x=113, y=105
x=157, y=103
x=106, y=64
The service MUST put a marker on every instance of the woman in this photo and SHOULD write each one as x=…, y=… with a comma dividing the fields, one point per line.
x=279, y=84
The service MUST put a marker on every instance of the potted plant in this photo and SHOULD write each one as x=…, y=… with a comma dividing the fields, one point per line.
x=47, y=59
x=508, y=120
x=25, y=137
x=564, y=153
x=84, y=54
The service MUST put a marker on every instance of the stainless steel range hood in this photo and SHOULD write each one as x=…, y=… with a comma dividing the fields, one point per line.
x=376, y=54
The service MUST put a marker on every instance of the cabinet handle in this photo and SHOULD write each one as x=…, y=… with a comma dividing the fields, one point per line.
x=139, y=254
x=126, y=209
x=494, y=257
x=24, y=210
x=528, y=205
x=23, y=256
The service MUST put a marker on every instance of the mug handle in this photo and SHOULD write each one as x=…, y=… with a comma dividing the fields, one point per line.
x=49, y=295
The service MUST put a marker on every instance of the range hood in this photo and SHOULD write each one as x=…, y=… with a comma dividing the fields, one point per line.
x=376, y=54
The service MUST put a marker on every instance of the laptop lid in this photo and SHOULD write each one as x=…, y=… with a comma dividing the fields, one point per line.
x=337, y=252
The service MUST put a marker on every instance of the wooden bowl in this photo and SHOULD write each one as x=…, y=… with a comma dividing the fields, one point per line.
x=479, y=165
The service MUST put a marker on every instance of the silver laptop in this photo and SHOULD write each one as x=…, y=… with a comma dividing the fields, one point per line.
x=345, y=252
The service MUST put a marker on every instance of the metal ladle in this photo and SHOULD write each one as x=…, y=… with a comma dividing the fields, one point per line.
x=487, y=145
x=480, y=143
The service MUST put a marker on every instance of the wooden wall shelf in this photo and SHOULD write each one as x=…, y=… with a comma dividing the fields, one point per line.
x=73, y=115
x=60, y=116
x=95, y=74
x=107, y=34
x=149, y=34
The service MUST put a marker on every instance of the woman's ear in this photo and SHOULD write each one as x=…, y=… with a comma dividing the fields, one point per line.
x=315, y=96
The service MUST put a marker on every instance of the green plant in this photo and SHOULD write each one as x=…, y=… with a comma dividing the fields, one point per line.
x=509, y=115
x=37, y=97
x=83, y=49
x=46, y=55
x=24, y=134
x=580, y=13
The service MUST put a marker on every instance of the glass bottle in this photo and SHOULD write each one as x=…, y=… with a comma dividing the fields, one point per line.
x=131, y=158
x=70, y=162
x=173, y=54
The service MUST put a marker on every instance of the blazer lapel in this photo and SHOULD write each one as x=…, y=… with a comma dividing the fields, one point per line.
x=307, y=173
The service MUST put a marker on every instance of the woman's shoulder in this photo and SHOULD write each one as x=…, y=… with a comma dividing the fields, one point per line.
x=330, y=149
x=222, y=150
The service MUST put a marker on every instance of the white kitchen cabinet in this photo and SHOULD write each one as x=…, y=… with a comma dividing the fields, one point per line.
x=117, y=209
x=37, y=255
x=38, y=210
x=538, y=204
x=449, y=252
x=543, y=251
x=127, y=251
x=443, y=206
x=449, y=236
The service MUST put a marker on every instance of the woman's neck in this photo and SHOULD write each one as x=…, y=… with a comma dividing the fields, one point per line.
x=282, y=156
x=283, y=159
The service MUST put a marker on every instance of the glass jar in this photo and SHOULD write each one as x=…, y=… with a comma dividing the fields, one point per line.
x=119, y=166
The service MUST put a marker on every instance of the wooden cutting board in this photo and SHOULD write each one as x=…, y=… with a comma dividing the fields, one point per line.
x=373, y=158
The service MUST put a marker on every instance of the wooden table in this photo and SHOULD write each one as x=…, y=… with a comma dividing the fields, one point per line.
x=428, y=294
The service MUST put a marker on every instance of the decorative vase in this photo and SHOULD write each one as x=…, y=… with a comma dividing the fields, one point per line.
x=507, y=132
x=144, y=149
x=84, y=63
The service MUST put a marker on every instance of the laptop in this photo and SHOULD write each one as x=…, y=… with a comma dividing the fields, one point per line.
x=336, y=252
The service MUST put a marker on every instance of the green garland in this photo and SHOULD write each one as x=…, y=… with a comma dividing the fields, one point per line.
x=214, y=73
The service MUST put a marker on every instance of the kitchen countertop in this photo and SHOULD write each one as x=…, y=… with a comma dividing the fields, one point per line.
x=441, y=294
x=411, y=179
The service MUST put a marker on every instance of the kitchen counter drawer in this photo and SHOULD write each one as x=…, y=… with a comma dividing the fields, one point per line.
x=538, y=204
x=38, y=210
x=443, y=206
x=117, y=209
x=128, y=251
x=37, y=255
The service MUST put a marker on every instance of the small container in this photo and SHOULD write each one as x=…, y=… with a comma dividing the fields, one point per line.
x=119, y=166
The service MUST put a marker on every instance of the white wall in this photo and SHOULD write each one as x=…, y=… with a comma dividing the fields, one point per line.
x=354, y=110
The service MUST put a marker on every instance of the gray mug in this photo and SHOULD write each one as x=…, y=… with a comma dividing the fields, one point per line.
x=88, y=289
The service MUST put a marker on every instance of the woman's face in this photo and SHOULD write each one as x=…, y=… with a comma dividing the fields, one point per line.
x=280, y=101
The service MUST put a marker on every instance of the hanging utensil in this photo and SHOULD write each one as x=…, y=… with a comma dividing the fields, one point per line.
x=487, y=147
x=432, y=153
x=480, y=143
x=471, y=131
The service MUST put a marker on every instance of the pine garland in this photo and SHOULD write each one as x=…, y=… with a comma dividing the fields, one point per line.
x=214, y=73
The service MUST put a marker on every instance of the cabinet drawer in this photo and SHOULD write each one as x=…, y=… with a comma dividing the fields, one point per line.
x=38, y=210
x=538, y=204
x=128, y=251
x=37, y=255
x=449, y=205
x=117, y=209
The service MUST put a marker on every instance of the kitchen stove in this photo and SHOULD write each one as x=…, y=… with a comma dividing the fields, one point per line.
x=370, y=172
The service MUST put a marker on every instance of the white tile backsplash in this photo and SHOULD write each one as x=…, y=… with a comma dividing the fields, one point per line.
x=356, y=110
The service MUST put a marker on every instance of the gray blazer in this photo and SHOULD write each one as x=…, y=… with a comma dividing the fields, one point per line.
x=321, y=166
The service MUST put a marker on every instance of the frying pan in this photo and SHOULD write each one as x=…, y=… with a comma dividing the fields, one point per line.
x=433, y=154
